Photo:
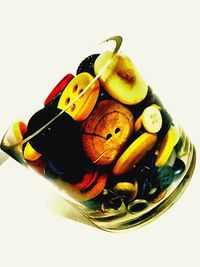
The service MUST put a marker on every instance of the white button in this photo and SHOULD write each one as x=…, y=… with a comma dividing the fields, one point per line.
x=152, y=119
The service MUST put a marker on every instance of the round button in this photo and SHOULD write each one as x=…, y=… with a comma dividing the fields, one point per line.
x=87, y=65
x=137, y=205
x=30, y=153
x=88, y=178
x=106, y=131
x=157, y=196
x=14, y=134
x=96, y=188
x=126, y=190
x=167, y=146
x=138, y=123
x=121, y=78
x=163, y=177
x=152, y=119
x=59, y=88
x=80, y=109
x=55, y=168
x=134, y=153
x=179, y=167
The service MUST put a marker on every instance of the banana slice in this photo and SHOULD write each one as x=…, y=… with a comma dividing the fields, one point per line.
x=121, y=79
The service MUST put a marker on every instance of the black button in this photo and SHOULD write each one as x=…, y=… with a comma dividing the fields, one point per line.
x=87, y=65
x=179, y=166
x=163, y=177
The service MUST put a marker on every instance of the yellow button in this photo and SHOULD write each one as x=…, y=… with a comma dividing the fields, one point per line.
x=138, y=123
x=126, y=190
x=30, y=153
x=121, y=79
x=106, y=131
x=134, y=153
x=152, y=119
x=82, y=107
x=15, y=133
x=167, y=145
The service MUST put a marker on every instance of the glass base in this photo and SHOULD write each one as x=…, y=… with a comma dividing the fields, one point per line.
x=137, y=219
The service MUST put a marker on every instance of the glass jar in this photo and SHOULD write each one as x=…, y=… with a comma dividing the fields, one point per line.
x=106, y=142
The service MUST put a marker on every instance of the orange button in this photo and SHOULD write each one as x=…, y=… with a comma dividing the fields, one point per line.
x=82, y=107
x=106, y=131
x=30, y=153
x=134, y=153
x=97, y=188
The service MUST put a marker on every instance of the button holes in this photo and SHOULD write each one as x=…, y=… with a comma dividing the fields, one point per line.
x=67, y=100
x=73, y=107
x=75, y=88
x=80, y=91
x=117, y=130
x=108, y=136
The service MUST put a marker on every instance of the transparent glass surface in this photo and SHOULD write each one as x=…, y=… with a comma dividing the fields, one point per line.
x=106, y=142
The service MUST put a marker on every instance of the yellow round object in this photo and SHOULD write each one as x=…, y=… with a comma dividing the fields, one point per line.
x=126, y=189
x=121, y=79
x=15, y=133
x=134, y=153
x=167, y=145
x=30, y=153
x=81, y=106
x=152, y=119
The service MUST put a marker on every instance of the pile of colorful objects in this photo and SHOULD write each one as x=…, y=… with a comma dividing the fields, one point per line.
x=115, y=145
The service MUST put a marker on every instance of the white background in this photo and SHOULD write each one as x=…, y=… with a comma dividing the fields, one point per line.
x=41, y=41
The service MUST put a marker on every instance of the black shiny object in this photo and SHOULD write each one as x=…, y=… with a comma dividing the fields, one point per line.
x=59, y=142
x=179, y=166
x=87, y=65
x=166, y=123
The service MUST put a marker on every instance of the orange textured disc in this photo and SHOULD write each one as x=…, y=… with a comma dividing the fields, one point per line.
x=106, y=130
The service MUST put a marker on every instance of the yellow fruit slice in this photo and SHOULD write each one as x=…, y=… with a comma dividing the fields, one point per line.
x=167, y=145
x=82, y=107
x=134, y=153
x=30, y=153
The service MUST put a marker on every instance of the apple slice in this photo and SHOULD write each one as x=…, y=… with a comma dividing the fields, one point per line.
x=121, y=79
